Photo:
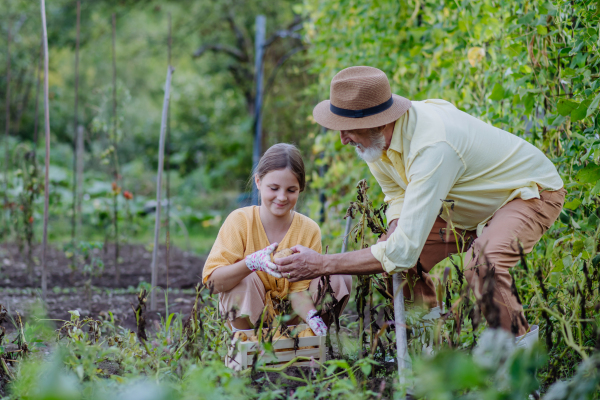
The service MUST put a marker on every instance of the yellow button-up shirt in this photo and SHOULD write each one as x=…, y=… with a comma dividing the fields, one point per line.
x=437, y=153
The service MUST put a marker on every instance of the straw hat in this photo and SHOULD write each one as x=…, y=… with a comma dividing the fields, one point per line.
x=360, y=98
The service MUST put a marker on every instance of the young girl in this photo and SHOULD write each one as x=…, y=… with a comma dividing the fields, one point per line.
x=239, y=265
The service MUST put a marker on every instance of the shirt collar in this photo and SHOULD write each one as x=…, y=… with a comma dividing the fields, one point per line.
x=396, y=143
x=397, y=135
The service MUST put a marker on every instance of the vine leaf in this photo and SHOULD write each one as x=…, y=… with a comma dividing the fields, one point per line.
x=580, y=112
x=565, y=107
x=498, y=92
x=593, y=106
x=589, y=174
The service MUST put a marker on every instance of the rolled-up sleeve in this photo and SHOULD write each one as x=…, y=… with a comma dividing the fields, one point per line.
x=394, y=194
x=431, y=175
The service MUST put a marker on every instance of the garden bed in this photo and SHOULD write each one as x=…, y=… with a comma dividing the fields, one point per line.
x=67, y=289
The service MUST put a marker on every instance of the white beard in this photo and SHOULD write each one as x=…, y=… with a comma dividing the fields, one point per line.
x=374, y=152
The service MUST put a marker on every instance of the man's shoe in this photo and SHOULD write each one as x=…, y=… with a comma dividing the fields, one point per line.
x=527, y=340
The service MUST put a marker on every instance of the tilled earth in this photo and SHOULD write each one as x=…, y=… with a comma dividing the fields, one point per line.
x=71, y=290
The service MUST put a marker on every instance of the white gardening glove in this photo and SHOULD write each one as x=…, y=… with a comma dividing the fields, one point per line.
x=316, y=323
x=261, y=261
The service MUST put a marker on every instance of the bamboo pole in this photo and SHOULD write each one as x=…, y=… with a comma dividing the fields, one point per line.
x=400, y=326
x=79, y=175
x=75, y=137
x=168, y=167
x=7, y=108
x=34, y=193
x=259, y=52
x=115, y=154
x=161, y=158
x=47, y=158
x=37, y=99
x=346, y=234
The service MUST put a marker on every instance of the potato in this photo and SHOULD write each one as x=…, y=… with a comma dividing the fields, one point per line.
x=306, y=333
x=241, y=336
x=281, y=254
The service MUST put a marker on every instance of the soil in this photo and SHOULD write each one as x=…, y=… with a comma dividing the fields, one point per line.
x=70, y=290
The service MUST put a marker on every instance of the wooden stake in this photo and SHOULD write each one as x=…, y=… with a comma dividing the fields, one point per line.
x=47, y=159
x=7, y=108
x=75, y=137
x=400, y=326
x=259, y=51
x=168, y=167
x=115, y=155
x=33, y=194
x=161, y=158
x=79, y=175
x=37, y=99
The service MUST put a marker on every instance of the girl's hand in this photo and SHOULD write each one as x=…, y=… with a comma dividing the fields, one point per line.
x=316, y=323
x=261, y=261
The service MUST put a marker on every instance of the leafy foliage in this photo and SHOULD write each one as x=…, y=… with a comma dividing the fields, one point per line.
x=529, y=67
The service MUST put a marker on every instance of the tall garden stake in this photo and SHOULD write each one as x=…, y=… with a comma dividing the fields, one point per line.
x=168, y=167
x=7, y=122
x=75, y=136
x=47, y=159
x=114, y=152
x=259, y=48
x=161, y=159
x=400, y=325
x=346, y=234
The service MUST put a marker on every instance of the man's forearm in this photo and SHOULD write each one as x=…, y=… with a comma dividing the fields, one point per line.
x=392, y=227
x=360, y=262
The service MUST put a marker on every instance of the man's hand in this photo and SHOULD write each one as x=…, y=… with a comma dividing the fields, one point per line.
x=304, y=264
x=391, y=228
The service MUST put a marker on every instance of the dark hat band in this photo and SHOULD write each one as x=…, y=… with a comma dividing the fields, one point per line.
x=366, y=112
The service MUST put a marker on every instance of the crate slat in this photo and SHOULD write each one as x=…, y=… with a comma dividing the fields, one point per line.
x=246, y=351
x=283, y=356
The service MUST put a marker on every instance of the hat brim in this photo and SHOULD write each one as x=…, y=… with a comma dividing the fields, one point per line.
x=324, y=117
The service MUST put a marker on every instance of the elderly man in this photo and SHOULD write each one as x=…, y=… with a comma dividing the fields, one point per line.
x=499, y=192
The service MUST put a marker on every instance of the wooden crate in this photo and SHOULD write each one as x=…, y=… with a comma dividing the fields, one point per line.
x=246, y=351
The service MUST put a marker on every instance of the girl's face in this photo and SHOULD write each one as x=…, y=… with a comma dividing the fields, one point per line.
x=279, y=191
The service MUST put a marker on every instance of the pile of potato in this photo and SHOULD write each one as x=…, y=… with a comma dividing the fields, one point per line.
x=243, y=337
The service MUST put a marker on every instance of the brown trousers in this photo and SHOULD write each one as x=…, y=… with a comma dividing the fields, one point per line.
x=248, y=297
x=523, y=221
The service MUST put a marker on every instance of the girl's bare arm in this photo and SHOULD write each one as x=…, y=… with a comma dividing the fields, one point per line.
x=223, y=279
x=302, y=303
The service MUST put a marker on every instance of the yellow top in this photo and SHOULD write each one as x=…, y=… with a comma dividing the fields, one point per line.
x=242, y=234
x=439, y=153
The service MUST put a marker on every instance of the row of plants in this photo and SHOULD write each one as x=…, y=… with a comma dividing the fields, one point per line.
x=454, y=353
x=528, y=67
